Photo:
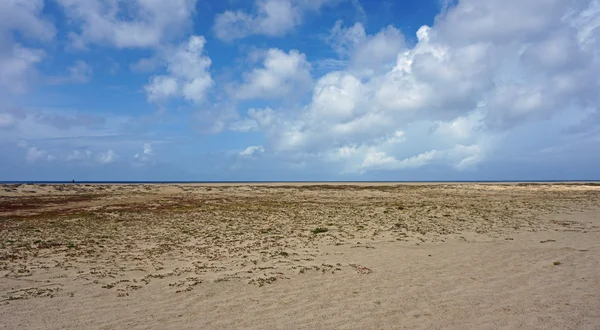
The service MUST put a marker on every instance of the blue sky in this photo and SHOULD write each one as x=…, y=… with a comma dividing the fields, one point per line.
x=299, y=90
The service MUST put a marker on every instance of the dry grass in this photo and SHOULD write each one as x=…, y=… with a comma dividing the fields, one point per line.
x=124, y=237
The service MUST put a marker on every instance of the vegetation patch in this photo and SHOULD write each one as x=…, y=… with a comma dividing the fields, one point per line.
x=319, y=230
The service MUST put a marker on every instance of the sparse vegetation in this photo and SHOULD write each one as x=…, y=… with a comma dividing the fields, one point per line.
x=319, y=230
x=244, y=234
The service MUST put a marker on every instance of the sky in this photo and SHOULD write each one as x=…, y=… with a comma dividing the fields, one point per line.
x=299, y=90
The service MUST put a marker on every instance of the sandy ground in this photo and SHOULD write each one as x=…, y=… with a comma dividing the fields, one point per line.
x=367, y=256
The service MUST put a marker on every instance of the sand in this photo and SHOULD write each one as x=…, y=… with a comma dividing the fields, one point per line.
x=419, y=256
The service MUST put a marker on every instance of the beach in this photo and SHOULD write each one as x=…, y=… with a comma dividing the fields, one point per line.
x=300, y=256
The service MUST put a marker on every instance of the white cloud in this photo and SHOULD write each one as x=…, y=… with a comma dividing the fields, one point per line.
x=18, y=62
x=79, y=155
x=587, y=24
x=337, y=96
x=188, y=73
x=281, y=75
x=461, y=128
x=243, y=125
x=472, y=21
x=25, y=16
x=34, y=154
x=446, y=4
x=232, y=25
x=272, y=18
x=380, y=160
x=17, y=67
x=345, y=40
x=162, y=87
x=367, y=54
x=467, y=157
x=127, y=24
x=247, y=155
x=483, y=68
x=397, y=137
x=148, y=149
x=252, y=151
x=145, y=157
x=461, y=157
x=108, y=157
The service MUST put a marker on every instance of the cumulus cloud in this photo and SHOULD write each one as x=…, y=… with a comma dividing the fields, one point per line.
x=145, y=157
x=272, y=18
x=25, y=17
x=460, y=157
x=484, y=78
x=147, y=149
x=18, y=62
x=251, y=151
x=483, y=68
x=108, y=157
x=127, y=24
x=281, y=75
x=380, y=160
x=17, y=67
x=247, y=156
x=367, y=53
x=188, y=73
x=35, y=154
x=462, y=128
x=79, y=155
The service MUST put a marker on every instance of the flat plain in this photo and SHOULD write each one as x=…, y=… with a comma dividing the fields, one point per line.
x=281, y=256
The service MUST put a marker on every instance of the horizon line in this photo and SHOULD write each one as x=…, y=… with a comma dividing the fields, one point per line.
x=288, y=181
